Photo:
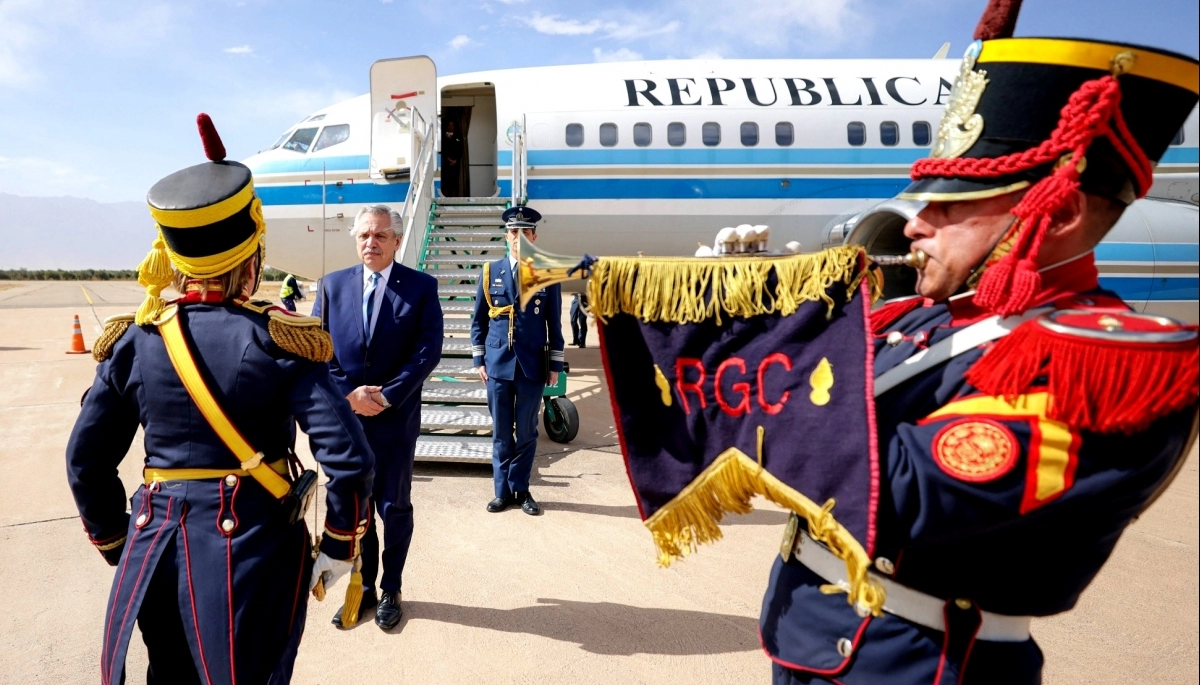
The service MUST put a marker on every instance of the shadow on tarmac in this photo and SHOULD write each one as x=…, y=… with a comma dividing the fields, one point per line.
x=604, y=627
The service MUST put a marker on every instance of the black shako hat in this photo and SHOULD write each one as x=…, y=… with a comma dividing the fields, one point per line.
x=1013, y=95
x=521, y=217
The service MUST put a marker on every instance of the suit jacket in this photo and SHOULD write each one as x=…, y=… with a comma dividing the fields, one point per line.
x=536, y=325
x=405, y=346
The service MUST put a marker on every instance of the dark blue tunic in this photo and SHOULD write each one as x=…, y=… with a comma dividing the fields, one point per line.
x=241, y=592
x=1024, y=540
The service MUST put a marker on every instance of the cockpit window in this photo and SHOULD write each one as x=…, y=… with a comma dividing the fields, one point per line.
x=332, y=135
x=301, y=140
x=1178, y=139
x=316, y=117
x=280, y=140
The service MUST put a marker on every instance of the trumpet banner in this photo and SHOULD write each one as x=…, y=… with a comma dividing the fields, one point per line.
x=744, y=376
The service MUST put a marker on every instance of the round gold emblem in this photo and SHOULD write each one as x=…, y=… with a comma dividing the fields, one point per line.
x=975, y=450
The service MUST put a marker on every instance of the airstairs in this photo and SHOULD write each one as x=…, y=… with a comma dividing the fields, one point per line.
x=463, y=233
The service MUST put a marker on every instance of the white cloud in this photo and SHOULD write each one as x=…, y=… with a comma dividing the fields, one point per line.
x=240, y=50
x=551, y=25
x=511, y=2
x=618, y=55
x=638, y=29
x=460, y=41
x=33, y=176
x=708, y=54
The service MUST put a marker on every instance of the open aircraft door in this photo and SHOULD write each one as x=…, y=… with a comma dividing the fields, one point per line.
x=403, y=99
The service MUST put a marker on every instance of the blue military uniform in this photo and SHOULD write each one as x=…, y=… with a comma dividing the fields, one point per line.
x=515, y=359
x=208, y=562
x=1009, y=468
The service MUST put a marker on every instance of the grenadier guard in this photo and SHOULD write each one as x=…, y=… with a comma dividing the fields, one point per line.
x=517, y=352
x=1009, y=466
x=214, y=563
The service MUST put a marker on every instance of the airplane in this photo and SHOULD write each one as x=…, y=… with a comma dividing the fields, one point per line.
x=654, y=157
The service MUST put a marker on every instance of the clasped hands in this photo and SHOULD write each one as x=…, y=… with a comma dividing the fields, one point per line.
x=367, y=400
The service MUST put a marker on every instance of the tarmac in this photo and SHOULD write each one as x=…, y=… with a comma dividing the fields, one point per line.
x=574, y=596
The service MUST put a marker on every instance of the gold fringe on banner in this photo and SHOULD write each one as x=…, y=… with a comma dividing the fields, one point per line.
x=694, y=289
x=726, y=486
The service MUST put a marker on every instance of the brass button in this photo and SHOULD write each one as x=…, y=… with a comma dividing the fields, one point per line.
x=231, y=480
x=963, y=604
x=227, y=525
x=141, y=520
x=895, y=338
x=845, y=647
x=885, y=565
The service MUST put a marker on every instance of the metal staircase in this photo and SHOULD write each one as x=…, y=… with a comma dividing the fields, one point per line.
x=463, y=233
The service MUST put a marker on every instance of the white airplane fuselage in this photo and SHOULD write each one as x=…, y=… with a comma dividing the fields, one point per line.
x=655, y=157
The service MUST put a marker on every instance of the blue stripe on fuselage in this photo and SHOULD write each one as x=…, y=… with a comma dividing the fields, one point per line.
x=303, y=164
x=1148, y=252
x=751, y=156
x=351, y=193
x=1181, y=155
x=1153, y=289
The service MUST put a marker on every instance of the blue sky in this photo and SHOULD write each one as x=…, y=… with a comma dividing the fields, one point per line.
x=98, y=99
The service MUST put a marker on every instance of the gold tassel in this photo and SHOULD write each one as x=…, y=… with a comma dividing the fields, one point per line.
x=727, y=486
x=690, y=290
x=154, y=274
x=354, y=595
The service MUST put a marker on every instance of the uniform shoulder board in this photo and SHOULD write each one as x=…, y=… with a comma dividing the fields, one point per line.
x=301, y=335
x=1107, y=371
x=114, y=328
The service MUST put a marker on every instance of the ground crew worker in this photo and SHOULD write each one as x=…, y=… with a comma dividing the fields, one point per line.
x=579, y=314
x=289, y=292
x=215, y=561
x=517, y=352
x=1006, y=475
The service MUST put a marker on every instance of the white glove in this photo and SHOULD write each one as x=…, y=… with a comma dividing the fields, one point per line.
x=328, y=569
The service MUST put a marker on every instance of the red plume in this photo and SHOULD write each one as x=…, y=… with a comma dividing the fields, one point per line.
x=214, y=149
x=998, y=20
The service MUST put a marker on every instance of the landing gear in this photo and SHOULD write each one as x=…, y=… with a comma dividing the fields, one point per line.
x=560, y=419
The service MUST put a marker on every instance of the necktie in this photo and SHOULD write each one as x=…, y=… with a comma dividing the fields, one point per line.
x=369, y=306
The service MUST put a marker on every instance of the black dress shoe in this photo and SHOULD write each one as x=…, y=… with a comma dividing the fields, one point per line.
x=528, y=505
x=500, y=504
x=387, y=616
x=369, y=600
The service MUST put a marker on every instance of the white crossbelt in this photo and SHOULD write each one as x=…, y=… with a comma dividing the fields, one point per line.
x=991, y=328
x=909, y=604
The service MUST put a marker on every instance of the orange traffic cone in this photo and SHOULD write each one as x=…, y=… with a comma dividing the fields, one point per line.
x=77, y=346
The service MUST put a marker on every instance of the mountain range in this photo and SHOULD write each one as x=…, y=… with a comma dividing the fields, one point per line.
x=72, y=233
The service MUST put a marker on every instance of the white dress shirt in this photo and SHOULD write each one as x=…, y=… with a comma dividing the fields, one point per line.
x=380, y=286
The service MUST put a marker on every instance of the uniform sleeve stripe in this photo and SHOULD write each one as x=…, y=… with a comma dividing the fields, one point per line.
x=556, y=355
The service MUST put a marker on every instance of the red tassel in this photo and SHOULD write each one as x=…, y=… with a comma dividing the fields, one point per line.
x=214, y=149
x=890, y=313
x=1102, y=386
x=999, y=20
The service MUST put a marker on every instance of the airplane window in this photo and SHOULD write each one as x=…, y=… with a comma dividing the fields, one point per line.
x=301, y=140
x=710, y=133
x=332, y=135
x=574, y=135
x=280, y=140
x=856, y=133
x=749, y=133
x=676, y=134
x=785, y=135
x=889, y=133
x=642, y=134
x=921, y=133
x=1178, y=139
x=608, y=135
x=318, y=117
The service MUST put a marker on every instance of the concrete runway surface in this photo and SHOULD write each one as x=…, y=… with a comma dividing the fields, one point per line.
x=573, y=596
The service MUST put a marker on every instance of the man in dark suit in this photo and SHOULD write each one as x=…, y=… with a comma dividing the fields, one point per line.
x=386, y=324
x=511, y=348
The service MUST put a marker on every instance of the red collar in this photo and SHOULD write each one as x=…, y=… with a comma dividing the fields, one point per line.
x=1063, y=280
x=214, y=295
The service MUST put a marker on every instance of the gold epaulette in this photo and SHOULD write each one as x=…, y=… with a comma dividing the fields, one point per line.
x=295, y=333
x=114, y=328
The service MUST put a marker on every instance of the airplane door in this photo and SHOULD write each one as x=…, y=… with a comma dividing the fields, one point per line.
x=403, y=95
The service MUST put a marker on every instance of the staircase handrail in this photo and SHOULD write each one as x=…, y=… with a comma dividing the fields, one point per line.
x=420, y=188
x=519, y=166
